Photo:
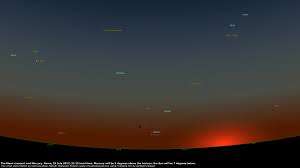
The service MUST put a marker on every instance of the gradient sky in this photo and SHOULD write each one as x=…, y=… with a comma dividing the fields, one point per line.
x=164, y=47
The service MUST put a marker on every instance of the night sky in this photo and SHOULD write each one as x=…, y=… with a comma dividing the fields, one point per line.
x=103, y=73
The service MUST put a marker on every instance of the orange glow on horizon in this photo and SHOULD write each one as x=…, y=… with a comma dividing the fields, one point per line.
x=225, y=141
x=224, y=137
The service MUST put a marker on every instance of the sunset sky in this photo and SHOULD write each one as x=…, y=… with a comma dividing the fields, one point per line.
x=102, y=73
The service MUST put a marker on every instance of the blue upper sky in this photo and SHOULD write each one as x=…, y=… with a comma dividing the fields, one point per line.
x=163, y=47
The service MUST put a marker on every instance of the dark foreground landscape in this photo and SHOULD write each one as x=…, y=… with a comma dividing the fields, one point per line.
x=14, y=150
